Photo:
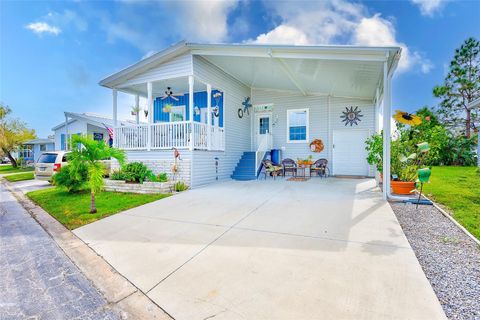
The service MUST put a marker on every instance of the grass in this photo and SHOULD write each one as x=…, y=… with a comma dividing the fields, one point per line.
x=72, y=209
x=10, y=169
x=458, y=188
x=20, y=176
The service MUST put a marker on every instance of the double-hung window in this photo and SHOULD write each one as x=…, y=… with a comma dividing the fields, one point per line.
x=297, y=125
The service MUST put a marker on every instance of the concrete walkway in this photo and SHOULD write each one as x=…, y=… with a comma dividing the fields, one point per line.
x=322, y=249
x=37, y=280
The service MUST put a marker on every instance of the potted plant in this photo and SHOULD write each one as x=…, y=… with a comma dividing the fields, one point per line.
x=405, y=169
x=374, y=147
x=167, y=108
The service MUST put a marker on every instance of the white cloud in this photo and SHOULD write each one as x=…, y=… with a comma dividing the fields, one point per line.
x=429, y=7
x=54, y=23
x=284, y=34
x=43, y=27
x=338, y=22
x=168, y=22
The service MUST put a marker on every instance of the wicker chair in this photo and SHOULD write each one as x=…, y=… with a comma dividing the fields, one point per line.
x=289, y=165
x=320, y=168
x=272, y=169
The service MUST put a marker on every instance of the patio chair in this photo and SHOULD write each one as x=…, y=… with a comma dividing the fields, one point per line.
x=289, y=165
x=270, y=168
x=320, y=167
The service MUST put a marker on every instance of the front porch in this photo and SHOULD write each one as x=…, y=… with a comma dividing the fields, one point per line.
x=181, y=112
x=168, y=135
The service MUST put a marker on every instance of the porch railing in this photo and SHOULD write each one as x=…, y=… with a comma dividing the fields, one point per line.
x=167, y=135
x=264, y=145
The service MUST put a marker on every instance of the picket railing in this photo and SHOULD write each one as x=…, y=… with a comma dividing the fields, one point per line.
x=168, y=135
x=264, y=145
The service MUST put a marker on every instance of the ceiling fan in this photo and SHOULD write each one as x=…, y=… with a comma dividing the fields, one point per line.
x=169, y=94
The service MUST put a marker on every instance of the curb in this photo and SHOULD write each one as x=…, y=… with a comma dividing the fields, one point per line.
x=121, y=295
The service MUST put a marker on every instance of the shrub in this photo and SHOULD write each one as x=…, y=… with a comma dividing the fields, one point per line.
x=162, y=177
x=117, y=175
x=136, y=172
x=73, y=178
x=180, y=186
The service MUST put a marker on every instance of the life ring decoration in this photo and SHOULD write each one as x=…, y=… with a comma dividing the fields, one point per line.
x=317, y=145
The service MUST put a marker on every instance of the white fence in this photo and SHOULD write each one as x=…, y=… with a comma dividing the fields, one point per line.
x=167, y=135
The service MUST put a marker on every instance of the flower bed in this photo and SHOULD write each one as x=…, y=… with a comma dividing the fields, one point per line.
x=145, y=187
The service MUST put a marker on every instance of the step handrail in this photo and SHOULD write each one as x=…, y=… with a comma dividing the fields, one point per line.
x=263, y=147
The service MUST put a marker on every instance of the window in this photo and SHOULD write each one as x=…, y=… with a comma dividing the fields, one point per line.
x=264, y=125
x=297, y=125
x=43, y=147
x=47, y=158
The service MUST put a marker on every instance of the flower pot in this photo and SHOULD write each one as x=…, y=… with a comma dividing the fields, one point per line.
x=402, y=187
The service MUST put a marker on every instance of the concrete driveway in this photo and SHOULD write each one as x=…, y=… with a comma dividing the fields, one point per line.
x=321, y=249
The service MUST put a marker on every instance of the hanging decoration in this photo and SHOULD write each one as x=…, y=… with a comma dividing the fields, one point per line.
x=167, y=108
x=216, y=108
x=351, y=116
x=407, y=118
x=317, y=145
x=145, y=112
x=196, y=110
x=246, y=106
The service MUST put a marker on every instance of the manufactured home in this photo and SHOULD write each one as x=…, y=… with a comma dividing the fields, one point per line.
x=225, y=106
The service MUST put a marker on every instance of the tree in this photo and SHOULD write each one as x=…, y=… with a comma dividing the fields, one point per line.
x=461, y=86
x=13, y=133
x=90, y=154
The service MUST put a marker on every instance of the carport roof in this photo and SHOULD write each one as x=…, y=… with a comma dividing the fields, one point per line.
x=350, y=71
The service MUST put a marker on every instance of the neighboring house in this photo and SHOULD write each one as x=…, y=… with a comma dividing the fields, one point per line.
x=475, y=104
x=196, y=94
x=82, y=124
x=31, y=150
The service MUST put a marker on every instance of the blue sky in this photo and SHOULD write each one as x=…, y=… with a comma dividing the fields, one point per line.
x=52, y=54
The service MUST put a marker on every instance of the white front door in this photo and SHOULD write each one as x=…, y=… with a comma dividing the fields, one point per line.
x=349, y=154
x=263, y=126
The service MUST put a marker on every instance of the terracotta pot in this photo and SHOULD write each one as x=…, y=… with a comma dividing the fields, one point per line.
x=401, y=187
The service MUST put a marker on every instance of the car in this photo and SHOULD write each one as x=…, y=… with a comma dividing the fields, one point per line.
x=49, y=163
x=4, y=160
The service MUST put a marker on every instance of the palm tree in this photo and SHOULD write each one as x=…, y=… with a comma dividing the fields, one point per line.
x=90, y=155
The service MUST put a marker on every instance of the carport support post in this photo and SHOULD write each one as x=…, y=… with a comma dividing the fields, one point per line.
x=209, y=116
x=150, y=114
x=190, y=108
x=387, y=115
x=115, y=114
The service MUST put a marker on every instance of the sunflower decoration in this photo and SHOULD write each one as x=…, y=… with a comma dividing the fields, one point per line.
x=407, y=118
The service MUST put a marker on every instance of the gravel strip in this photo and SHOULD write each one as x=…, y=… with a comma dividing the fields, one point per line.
x=449, y=258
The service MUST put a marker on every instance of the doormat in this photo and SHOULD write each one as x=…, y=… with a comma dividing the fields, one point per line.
x=298, y=179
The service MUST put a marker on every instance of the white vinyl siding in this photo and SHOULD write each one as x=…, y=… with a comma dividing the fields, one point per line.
x=74, y=127
x=177, y=67
x=324, y=117
x=237, y=131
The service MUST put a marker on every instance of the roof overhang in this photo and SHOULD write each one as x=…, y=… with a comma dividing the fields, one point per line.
x=349, y=71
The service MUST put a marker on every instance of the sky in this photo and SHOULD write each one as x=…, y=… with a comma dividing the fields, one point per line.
x=54, y=53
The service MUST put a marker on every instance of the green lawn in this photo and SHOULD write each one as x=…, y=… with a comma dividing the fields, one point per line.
x=20, y=177
x=458, y=188
x=72, y=209
x=9, y=169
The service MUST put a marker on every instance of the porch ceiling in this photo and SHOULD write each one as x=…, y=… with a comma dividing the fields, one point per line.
x=177, y=85
x=331, y=77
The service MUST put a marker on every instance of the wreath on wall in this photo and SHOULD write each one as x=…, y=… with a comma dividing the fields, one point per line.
x=317, y=145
